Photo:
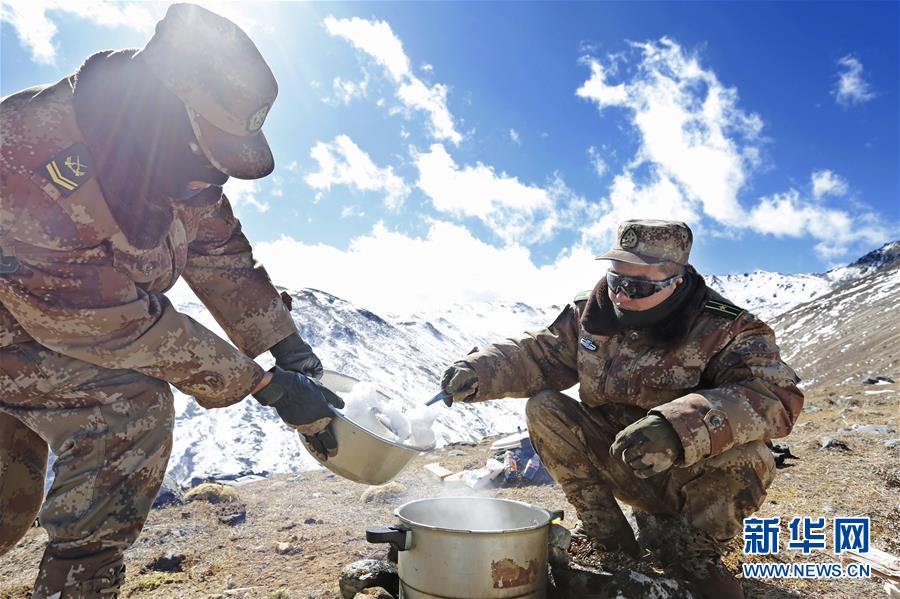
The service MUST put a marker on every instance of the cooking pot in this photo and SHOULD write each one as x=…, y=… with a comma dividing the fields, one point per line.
x=362, y=456
x=469, y=547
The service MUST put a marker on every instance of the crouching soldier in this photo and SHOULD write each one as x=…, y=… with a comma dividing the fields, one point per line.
x=110, y=190
x=680, y=391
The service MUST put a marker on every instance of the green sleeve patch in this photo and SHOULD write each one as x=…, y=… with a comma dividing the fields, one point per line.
x=725, y=309
x=583, y=296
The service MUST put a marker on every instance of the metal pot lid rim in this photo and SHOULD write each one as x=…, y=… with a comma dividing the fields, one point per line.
x=409, y=521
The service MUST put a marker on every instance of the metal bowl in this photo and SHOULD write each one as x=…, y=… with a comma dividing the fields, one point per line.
x=362, y=456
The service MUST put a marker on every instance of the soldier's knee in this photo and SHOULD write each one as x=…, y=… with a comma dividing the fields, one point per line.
x=543, y=404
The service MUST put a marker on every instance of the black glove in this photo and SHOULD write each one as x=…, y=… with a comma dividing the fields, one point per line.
x=303, y=404
x=293, y=353
x=459, y=383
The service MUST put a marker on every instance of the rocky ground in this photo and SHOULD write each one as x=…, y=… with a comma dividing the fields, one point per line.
x=289, y=536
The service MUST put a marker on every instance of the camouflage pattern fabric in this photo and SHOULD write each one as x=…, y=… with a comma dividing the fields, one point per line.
x=111, y=430
x=720, y=384
x=89, y=343
x=651, y=242
x=573, y=440
x=649, y=446
x=86, y=290
x=228, y=91
x=23, y=462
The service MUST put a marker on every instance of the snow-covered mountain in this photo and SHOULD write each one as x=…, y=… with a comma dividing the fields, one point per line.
x=767, y=294
x=405, y=356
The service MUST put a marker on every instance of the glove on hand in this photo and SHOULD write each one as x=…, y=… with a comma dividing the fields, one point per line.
x=459, y=383
x=293, y=353
x=649, y=446
x=303, y=404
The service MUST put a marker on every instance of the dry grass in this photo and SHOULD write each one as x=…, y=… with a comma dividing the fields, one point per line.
x=242, y=561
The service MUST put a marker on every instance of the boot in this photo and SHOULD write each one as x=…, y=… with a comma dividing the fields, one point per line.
x=103, y=584
x=695, y=555
x=601, y=519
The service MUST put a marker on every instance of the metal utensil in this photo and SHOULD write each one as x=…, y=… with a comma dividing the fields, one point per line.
x=435, y=399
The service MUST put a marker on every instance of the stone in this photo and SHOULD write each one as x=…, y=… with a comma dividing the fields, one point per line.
x=167, y=562
x=892, y=443
x=366, y=574
x=581, y=582
x=457, y=453
x=233, y=517
x=169, y=493
x=832, y=443
x=285, y=548
x=560, y=540
x=212, y=493
x=871, y=429
x=382, y=493
x=374, y=593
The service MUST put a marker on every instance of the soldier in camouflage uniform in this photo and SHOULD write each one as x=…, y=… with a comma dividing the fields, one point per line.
x=110, y=190
x=680, y=392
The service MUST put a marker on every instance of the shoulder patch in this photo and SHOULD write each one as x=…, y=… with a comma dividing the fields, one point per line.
x=729, y=311
x=583, y=296
x=69, y=169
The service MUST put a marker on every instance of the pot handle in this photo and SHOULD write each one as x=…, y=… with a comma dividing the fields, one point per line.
x=399, y=536
x=556, y=515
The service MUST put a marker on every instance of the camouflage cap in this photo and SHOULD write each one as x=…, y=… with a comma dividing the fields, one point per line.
x=651, y=242
x=223, y=80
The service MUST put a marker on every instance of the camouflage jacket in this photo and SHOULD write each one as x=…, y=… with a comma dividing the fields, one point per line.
x=85, y=288
x=713, y=370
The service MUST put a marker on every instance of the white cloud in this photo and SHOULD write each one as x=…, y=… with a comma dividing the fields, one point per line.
x=827, y=183
x=660, y=198
x=36, y=30
x=491, y=274
x=597, y=163
x=514, y=210
x=850, y=88
x=690, y=126
x=345, y=91
x=243, y=192
x=514, y=136
x=342, y=162
x=698, y=149
x=351, y=211
x=788, y=214
x=377, y=39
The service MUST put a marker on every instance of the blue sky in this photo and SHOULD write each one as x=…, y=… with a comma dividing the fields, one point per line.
x=430, y=152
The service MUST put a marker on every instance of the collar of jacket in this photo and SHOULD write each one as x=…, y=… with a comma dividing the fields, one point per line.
x=143, y=215
x=599, y=318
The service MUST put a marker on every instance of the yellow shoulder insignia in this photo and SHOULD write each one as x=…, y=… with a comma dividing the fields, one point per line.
x=729, y=311
x=69, y=169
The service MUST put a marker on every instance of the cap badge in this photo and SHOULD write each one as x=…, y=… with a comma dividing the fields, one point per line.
x=629, y=239
x=256, y=121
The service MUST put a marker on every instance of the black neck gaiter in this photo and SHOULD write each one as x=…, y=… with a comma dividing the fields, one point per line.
x=139, y=135
x=634, y=319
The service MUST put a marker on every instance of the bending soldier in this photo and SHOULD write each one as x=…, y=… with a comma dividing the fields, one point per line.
x=111, y=190
x=680, y=391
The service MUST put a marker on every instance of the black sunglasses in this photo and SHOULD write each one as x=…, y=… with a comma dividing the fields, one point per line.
x=634, y=287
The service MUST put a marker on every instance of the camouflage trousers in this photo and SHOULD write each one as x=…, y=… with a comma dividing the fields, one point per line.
x=713, y=495
x=111, y=432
